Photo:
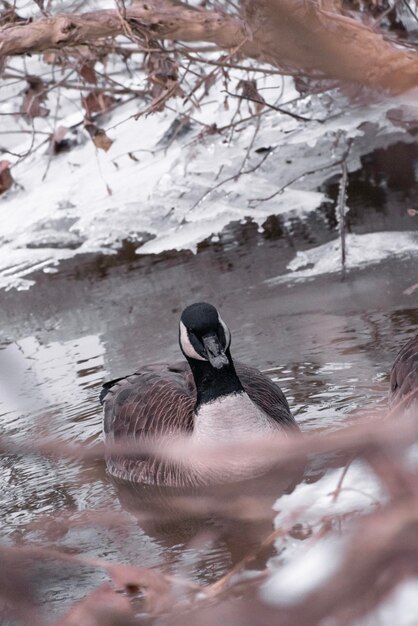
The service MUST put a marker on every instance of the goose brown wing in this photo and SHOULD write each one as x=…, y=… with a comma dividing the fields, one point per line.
x=156, y=401
x=404, y=374
x=266, y=394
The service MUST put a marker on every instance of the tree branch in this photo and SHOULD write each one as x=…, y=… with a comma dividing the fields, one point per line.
x=154, y=19
x=292, y=35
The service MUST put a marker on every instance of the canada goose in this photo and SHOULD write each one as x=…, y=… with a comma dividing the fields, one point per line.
x=404, y=377
x=210, y=398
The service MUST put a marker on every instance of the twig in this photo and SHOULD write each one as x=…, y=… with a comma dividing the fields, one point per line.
x=341, y=480
x=381, y=17
x=51, y=145
x=233, y=177
x=410, y=10
x=296, y=116
x=250, y=147
x=341, y=208
x=221, y=585
x=251, y=201
x=233, y=66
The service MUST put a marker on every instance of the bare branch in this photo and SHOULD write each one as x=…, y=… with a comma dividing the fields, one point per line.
x=287, y=34
x=156, y=19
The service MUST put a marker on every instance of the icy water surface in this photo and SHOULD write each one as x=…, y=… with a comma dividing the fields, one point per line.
x=328, y=343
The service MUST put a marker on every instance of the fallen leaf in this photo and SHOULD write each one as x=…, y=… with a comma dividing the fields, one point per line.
x=6, y=179
x=250, y=92
x=97, y=102
x=56, y=58
x=87, y=72
x=163, y=79
x=99, y=137
x=34, y=96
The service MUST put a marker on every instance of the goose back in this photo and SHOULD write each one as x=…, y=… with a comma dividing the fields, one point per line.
x=404, y=376
x=159, y=401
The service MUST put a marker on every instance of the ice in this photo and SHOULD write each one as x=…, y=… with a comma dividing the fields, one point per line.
x=361, y=250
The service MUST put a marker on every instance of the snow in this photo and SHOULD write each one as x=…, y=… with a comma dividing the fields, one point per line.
x=90, y=201
x=172, y=195
x=291, y=583
x=400, y=608
x=303, y=565
x=361, y=250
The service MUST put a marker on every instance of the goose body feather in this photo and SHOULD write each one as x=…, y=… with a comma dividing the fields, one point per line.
x=159, y=401
x=404, y=376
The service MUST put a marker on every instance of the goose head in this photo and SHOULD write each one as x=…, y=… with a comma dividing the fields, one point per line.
x=204, y=336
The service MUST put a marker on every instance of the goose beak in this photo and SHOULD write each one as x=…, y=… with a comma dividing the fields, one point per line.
x=214, y=351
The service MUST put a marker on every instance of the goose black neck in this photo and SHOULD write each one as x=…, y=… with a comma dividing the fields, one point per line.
x=211, y=383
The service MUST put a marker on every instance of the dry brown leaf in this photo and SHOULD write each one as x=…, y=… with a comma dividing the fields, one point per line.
x=97, y=102
x=209, y=81
x=87, y=72
x=163, y=78
x=102, y=607
x=55, y=57
x=99, y=137
x=250, y=92
x=34, y=96
x=6, y=179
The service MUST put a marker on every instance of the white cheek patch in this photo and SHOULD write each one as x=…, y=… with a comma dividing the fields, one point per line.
x=187, y=345
x=226, y=331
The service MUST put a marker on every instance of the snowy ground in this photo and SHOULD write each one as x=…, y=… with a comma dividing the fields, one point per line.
x=304, y=566
x=168, y=195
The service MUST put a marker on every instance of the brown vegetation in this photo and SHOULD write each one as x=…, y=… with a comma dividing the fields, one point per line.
x=314, y=38
x=380, y=551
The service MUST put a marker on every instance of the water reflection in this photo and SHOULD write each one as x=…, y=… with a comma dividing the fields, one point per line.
x=216, y=525
x=47, y=387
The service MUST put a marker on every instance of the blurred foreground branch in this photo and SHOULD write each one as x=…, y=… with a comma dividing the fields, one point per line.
x=288, y=34
x=379, y=551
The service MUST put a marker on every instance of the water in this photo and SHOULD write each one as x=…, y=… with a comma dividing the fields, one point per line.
x=328, y=343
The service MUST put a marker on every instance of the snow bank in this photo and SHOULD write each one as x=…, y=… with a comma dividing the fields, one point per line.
x=361, y=250
x=169, y=194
